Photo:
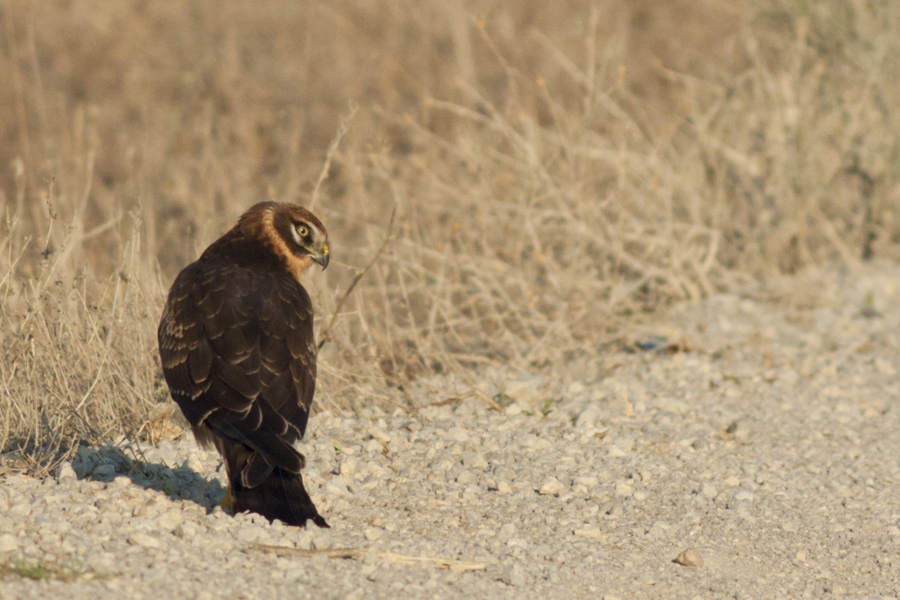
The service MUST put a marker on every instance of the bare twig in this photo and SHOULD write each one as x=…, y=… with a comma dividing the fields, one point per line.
x=332, y=150
x=328, y=552
x=435, y=561
x=337, y=309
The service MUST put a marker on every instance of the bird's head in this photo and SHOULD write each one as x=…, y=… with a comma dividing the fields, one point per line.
x=296, y=235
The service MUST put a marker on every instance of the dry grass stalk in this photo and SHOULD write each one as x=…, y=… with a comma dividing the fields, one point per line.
x=451, y=564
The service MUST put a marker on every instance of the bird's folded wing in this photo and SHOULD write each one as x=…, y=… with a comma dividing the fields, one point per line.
x=238, y=353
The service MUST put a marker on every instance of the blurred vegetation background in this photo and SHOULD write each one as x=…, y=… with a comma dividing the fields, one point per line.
x=555, y=170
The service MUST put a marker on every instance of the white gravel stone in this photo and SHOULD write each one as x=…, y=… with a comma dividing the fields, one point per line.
x=65, y=473
x=322, y=541
x=516, y=576
x=513, y=410
x=373, y=447
x=623, y=489
x=348, y=466
x=458, y=434
x=590, y=532
x=249, y=534
x=525, y=390
x=591, y=416
x=144, y=540
x=8, y=543
x=466, y=477
x=171, y=519
x=380, y=435
x=552, y=487
x=617, y=452
x=690, y=558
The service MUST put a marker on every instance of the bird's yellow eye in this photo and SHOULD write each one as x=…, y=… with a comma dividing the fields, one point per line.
x=302, y=231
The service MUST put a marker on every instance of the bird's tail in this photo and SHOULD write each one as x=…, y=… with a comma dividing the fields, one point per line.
x=279, y=495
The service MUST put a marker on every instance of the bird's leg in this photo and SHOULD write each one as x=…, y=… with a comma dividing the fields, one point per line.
x=228, y=501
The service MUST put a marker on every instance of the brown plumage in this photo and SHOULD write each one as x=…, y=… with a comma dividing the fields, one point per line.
x=238, y=352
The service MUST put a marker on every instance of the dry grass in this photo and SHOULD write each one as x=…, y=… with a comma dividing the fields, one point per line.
x=554, y=168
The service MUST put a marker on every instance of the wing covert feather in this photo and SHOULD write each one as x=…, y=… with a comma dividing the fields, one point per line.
x=238, y=352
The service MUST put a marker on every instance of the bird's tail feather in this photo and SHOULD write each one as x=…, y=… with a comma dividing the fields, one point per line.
x=281, y=495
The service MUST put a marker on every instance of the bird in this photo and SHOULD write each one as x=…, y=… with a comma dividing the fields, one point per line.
x=238, y=353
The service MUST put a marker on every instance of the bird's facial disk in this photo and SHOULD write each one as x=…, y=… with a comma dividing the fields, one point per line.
x=311, y=241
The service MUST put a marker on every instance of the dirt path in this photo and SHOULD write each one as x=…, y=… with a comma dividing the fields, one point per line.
x=770, y=446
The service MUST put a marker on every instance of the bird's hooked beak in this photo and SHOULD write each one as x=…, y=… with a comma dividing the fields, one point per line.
x=322, y=257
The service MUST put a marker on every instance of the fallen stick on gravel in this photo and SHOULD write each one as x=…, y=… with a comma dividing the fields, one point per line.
x=329, y=552
x=441, y=563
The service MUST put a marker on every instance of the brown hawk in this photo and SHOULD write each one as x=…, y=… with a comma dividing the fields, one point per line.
x=238, y=352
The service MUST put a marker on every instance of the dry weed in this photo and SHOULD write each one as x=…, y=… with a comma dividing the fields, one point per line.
x=552, y=169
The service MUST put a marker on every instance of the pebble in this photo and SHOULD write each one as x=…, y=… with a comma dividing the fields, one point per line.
x=348, y=466
x=516, y=576
x=379, y=435
x=591, y=532
x=8, y=543
x=105, y=471
x=551, y=487
x=525, y=390
x=65, y=473
x=590, y=417
x=373, y=446
x=513, y=410
x=690, y=558
x=170, y=519
x=466, y=477
x=143, y=539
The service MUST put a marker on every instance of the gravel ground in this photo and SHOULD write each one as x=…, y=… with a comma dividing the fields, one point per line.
x=755, y=456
